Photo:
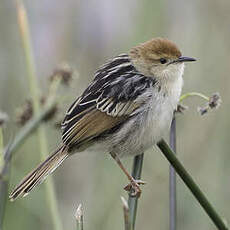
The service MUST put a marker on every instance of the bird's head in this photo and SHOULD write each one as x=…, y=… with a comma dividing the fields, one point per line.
x=160, y=58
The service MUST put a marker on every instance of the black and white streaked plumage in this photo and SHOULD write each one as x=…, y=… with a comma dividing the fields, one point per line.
x=125, y=110
x=116, y=91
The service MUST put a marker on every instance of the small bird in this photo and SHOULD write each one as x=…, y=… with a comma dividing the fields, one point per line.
x=125, y=110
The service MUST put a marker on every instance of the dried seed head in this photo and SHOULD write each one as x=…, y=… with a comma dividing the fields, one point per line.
x=64, y=72
x=202, y=110
x=24, y=113
x=213, y=103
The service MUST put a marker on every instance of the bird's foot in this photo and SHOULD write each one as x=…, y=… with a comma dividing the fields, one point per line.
x=134, y=187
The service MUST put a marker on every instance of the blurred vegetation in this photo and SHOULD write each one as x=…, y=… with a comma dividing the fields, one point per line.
x=84, y=34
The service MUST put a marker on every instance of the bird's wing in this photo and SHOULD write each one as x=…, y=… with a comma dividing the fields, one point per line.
x=114, y=96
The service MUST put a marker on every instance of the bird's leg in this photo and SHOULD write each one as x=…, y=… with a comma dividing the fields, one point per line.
x=134, y=186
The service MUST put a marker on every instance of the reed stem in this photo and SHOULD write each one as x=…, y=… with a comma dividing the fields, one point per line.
x=172, y=181
x=193, y=187
x=133, y=201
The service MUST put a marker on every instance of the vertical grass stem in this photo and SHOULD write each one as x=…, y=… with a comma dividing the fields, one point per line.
x=34, y=90
x=172, y=180
x=133, y=201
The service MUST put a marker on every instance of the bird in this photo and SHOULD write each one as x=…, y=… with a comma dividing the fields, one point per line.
x=125, y=110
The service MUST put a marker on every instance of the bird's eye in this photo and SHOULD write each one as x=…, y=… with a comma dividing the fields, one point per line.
x=163, y=60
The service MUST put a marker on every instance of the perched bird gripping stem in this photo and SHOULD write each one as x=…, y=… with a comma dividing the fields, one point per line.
x=125, y=110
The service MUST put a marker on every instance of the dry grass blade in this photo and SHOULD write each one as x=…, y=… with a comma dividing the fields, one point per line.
x=128, y=225
x=79, y=217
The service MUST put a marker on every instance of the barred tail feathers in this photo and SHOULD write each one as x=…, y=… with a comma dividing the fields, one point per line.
x=39, y=174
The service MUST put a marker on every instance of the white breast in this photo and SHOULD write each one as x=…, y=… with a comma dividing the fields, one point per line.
x=160, y=114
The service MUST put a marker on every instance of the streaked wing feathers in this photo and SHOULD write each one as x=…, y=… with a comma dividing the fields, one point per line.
x=116, y=109
x=91, y=125
x=109, y=100
x=94, y=119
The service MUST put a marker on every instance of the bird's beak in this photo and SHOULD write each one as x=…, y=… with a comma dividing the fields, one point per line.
x=182, y=59
x=185, y=59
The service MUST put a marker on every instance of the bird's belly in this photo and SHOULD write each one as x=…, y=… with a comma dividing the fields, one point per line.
x=144, y=130
x=156, y=125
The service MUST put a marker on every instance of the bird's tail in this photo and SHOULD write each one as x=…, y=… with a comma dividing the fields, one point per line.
x=39, y=174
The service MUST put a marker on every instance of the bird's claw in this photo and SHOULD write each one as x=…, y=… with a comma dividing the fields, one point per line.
x=134, y=188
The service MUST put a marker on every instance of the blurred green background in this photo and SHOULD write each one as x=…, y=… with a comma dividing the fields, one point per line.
x=84, y=34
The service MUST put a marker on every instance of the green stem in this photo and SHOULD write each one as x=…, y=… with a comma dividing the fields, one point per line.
x=34, y=90
x=133, y=201
x=184, y=96
x=172, y=181
x=209, y=209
